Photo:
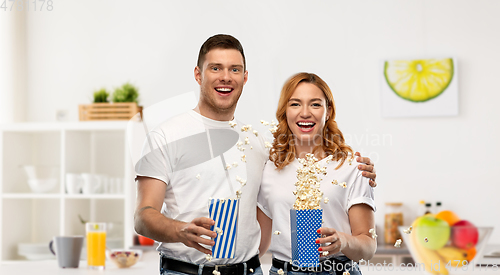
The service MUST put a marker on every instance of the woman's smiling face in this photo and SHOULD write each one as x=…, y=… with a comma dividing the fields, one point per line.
x=306, y=113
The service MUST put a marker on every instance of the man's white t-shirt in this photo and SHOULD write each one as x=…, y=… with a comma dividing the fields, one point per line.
x=276, y=198
x=198, y=159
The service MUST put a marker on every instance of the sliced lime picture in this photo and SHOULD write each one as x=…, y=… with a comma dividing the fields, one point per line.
x=419, y=80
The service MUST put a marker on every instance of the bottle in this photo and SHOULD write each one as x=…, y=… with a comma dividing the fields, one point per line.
x=421, y=208
x=438, y=208
x=428, y=208
x=393, y=219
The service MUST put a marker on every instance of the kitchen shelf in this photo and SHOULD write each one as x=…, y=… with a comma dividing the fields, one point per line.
x=96, y=196
x=97, y=147
x=30, y=196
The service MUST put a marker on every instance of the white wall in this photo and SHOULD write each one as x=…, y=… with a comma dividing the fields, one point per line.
x=84, y=45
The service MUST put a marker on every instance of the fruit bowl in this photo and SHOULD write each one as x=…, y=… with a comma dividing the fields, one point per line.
x=444, y=249
x=124, y=258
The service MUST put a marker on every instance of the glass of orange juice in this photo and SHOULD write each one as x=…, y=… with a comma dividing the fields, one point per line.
x=96, y=245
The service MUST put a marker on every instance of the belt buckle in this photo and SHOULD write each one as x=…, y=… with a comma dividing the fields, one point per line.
x=225, y=269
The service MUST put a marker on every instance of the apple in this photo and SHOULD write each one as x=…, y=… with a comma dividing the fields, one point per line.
x=464, y=235
x=432, y=233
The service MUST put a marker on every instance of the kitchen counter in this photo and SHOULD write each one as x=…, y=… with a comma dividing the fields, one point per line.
x=149, y=264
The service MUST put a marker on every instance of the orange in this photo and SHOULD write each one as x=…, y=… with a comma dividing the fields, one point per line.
x=471, y=253
x=449, y=216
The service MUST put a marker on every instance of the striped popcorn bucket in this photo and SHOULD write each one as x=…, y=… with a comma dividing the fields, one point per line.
x=304, y=225
x=225, y=214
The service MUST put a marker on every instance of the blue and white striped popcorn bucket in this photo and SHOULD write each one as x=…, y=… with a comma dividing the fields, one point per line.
x=225, y=214
x=304, y=225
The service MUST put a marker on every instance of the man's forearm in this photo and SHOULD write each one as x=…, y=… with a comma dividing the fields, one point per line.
x=151, y=223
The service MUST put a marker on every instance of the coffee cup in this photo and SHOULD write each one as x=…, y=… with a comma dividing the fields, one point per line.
x=67, y=250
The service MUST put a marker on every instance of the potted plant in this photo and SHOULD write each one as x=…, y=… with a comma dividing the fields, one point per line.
x=126, y=93
x=101, y=96
x=124, y=104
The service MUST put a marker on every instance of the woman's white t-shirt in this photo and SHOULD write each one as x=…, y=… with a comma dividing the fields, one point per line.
x=276, y=199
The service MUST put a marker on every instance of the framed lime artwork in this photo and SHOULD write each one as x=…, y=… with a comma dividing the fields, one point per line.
x=419, y=87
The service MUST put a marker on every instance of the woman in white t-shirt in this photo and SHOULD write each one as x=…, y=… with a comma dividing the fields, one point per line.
x=306, y=117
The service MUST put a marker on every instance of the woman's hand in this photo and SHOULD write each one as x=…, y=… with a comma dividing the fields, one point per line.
x=335, y=241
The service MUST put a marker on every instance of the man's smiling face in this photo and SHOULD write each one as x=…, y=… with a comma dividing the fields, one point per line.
x=221, y=81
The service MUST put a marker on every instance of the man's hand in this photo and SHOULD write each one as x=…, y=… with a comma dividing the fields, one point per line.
x=368, y=168
x=191, y=233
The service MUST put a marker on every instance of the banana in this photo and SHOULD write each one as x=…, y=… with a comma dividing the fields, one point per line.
x=432, y=261
x=453, y=256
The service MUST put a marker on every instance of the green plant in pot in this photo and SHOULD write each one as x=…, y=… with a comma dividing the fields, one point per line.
x=101, y=96
x=126, y=93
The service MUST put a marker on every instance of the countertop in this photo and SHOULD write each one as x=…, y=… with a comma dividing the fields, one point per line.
x=149, y=264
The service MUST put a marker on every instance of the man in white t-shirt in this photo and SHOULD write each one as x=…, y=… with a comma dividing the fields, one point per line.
x=203, y=154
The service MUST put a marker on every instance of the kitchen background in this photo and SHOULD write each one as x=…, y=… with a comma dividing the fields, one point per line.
x=52, y=61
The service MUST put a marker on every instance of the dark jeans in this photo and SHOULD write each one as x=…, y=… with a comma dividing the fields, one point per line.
x=338, y=268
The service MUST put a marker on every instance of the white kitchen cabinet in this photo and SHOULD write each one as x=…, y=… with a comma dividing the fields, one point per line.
x=79, y=147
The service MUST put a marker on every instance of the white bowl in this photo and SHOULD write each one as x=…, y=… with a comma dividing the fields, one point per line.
x=42, y=186
x=42, y=178
x=35, y=251
x=124, y=258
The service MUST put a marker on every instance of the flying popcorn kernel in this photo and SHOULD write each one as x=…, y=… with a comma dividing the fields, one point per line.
x=208, y=257
x=265, y=123
x=238, y=194
x=247, y=141
x=325, y=253
x=425, y=239
x=267, y=144
x=239, y=143
x=344, y=185
x=198, y=176
x=273, y=123
x=274, y=129
x=346, y=273
x=251, y=147
x=228, y=167
x=219, y=231
x=398, y=243
x=408, y=231
x=281, y=272
x=326, y=200
x=235, y=164
x=245, y=128
x=335, y=182
x=372, y=231
x=215, y=272
x=241, y=148
x=255, y=133
x=232, y=124
x=251, y=270
x=244, y=158
x=277, y=232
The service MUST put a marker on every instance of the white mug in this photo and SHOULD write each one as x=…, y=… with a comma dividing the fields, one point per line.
x=73, y=183
x=91, y=183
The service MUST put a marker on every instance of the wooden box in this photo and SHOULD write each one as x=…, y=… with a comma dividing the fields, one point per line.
x=109, y=111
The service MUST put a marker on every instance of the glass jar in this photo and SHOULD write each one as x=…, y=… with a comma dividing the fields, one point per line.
x=393, y=219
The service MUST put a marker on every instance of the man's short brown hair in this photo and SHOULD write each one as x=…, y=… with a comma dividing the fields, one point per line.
x=220, y=41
